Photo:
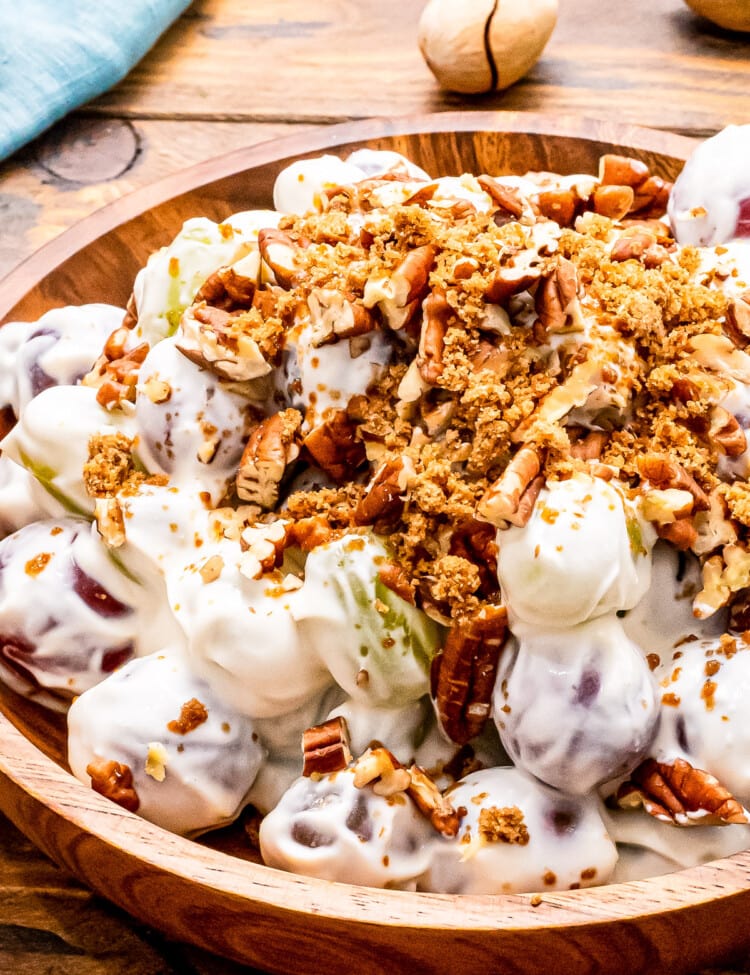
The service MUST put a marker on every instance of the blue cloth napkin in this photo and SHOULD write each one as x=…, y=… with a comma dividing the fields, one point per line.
x=57, y=54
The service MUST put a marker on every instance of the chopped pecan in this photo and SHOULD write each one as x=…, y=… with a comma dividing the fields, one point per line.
x=675, y=792
x=325, y=748
x=398, y=294
x=501, y=502
x=115, y=373
x=682, y=533
x=511, y=279
x=463, y=673
x=613, y=201
x=737, y=321
x=395, y=578
x=652, y=197
x=110, y=522
x=436, y=317
x=334, y=447
x=337, y=315
x=591, y=446
x=130, y=319
x=269, y=451
x=560, y=205
x=667, y=505
x=382, y=770
x=632, y=245
x=556, y=298
x=726, y=433
x=505, y=197
x=432, y=803
x=494, y=358
x=215, y=339
x=664, y=472
x=279, y=253
x=383, y=500
x=476, y=542
x=228, y=288
x=263, y=548
x=617, y=170
x=308, y=533
x=114, y=780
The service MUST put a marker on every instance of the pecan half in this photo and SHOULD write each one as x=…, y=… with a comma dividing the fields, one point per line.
x=436, y=318
x=502, y=500
x=556, y=298
x=114, y=780
x=398, y=294
x=511, y=279
x=269, y=451
x=675, y=792
x=463, y=673
x=334, y=447
x=325, y=748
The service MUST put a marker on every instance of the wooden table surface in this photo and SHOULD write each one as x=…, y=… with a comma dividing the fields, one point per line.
x=232, y=73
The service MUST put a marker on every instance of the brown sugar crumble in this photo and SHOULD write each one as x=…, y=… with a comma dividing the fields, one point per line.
x=503, y=825
x=192, y=714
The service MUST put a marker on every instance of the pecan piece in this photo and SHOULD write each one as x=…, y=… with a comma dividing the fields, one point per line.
x=432, y=803
x=617, y=170
x=382, y=770
x=512, y=279
x=279, y=253
x=559, y=205
x=726, y=433
x=675, y=792
x=337, y=315
x=115, y=372
x=556, y=298
x=664, y=472
x=334, y=447
x=682, y=533
x=463, y=673
x=437, y=315
x=395, y=578
x=737, y=321
x=398, y=294
x=613, y=201
x=114, y=780
x=505, y=197
x=383, y=500
x=325, y=748
x=502, y=500
x=213, y=339
x=270, y=449
x=263, y=548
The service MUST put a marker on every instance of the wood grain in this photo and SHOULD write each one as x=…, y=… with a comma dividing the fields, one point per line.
x=288, y=923
x=85, y=163
x=653, y=61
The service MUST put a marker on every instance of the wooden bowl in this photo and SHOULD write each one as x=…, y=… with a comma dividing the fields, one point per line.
x=244, y=910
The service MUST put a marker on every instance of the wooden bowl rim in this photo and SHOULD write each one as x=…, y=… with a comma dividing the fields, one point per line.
x=25, y=766
x=44, y=261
